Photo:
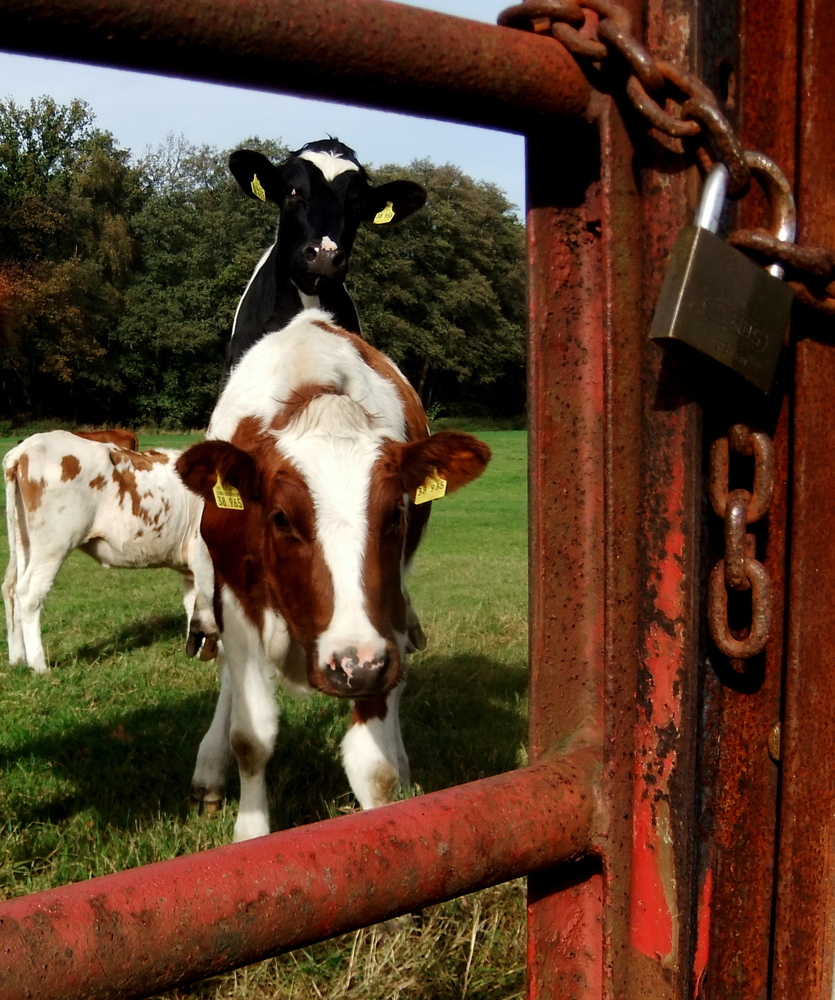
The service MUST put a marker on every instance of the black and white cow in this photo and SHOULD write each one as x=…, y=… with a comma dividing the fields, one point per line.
x=324, y=194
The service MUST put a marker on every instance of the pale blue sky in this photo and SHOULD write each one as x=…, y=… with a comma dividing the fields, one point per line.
x=141, y=110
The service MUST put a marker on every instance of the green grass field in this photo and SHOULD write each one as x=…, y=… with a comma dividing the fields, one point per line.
x=96, y=756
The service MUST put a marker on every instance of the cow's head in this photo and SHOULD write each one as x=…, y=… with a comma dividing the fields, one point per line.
x=324, y=194
x=320, y=539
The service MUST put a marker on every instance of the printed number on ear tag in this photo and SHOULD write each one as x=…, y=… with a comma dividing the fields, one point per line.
x=433, y=489
x=385, y=214
x=257, y=189
x=227, y=497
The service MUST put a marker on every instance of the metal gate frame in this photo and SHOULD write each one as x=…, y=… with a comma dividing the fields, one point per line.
x=669, y=855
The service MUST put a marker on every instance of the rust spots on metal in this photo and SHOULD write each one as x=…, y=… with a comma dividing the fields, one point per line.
x=234, y=905
x=367, y=52
x=70, y=468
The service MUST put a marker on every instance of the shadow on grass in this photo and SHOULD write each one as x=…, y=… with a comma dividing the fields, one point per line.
x=461, y=721
x=137, y=634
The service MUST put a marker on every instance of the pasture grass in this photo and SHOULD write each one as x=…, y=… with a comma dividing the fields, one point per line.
x=96, y=756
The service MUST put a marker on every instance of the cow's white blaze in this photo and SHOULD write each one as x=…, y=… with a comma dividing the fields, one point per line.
x=334, y=447
x=331, y=164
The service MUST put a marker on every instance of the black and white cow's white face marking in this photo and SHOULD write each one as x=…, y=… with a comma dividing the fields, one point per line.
x=324, y=194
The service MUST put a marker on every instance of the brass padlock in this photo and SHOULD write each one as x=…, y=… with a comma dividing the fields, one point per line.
x=717, y=300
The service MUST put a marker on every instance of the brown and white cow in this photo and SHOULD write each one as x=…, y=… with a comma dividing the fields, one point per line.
x=124, y=508
x=324, y=445
x=115, y=435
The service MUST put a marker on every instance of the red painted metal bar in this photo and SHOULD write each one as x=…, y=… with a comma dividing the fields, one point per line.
x=380, y=54
x=141, y=931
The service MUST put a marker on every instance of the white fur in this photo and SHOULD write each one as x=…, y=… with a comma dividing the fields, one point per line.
x=374, y=757
x=331, y=164
x=254, y=715
x=302, y=353
x=334, y=447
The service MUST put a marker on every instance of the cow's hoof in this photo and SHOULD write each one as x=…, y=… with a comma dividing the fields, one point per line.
x=209, y=648
x=417, y=637
x=206, y=801
x=193, y=643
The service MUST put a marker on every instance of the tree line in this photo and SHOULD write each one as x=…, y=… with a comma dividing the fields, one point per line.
x=119, y=279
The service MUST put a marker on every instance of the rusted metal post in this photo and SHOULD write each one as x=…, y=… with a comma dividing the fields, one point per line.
x=141, y=931
x=567, y=518
x=372, y=52
x=804, y=949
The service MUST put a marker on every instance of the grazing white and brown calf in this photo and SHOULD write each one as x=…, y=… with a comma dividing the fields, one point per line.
x=124, y=508
x=319, y=448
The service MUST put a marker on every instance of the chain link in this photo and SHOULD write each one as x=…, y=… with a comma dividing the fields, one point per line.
x=739, y=570
x=596, y=30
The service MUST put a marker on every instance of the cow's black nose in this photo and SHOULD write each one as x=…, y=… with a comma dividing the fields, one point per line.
x=324, y=263
x=354, y=677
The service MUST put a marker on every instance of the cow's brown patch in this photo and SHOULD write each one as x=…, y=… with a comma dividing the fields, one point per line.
x=366, y=709
x=98, y=483
x=249, y=434
x=70, y=468
x=31, y=490
x=142, y=461
x=116, y=435
x=125, y=481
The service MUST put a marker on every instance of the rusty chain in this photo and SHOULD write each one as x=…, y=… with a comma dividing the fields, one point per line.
x=739, y=570
x=595, y=30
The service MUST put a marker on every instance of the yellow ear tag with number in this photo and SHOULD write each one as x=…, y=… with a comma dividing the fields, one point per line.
x=227, y=497
x=257, y=190
x=384, y=215
x=433, y=489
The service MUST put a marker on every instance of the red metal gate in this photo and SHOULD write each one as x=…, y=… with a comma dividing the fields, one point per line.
x=669, y=854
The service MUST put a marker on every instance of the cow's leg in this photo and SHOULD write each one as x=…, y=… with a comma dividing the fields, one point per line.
x=32, y=587
x=208, y=784
x=414, y=630
x=14, y=631
x=254, y=720
x=202, y=628
x=18, y=546
x=373, y=754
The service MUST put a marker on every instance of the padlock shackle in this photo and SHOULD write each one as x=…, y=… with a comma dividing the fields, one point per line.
x=777, y=189
x=714, y=195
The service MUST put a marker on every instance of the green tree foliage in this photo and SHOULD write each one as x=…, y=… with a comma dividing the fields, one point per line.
x=66, y=193
x=124, y=278
x=444, y=293
x=200, y=239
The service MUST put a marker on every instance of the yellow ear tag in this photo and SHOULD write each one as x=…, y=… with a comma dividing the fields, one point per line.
x=433, y=489
x=227, y=497
x=384, y=215
x=257, y=190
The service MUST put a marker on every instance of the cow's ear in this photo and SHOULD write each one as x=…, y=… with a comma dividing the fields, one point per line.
x=256, y=176
x=393, y=202
x=203, y=464
x=458, y=458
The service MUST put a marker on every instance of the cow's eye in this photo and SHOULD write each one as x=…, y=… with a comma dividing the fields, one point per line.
x=282, y=522
x=396, y=520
